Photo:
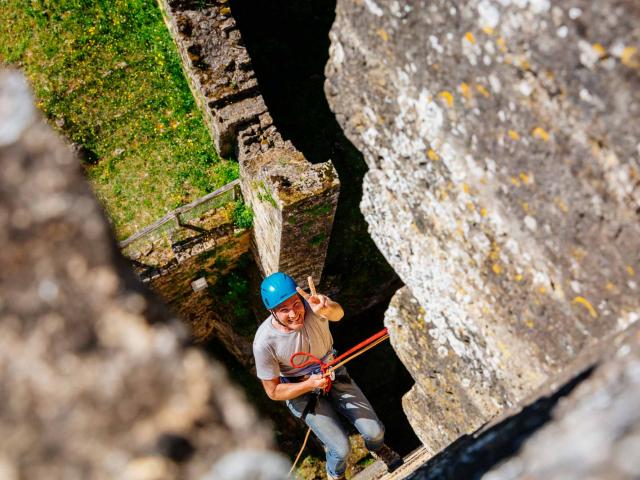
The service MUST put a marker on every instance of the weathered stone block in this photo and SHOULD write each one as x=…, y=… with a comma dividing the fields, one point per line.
x=217, y=67
x=503, y=186
x=294, y=204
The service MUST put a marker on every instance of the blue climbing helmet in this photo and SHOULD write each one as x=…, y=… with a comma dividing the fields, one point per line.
x=276, y=288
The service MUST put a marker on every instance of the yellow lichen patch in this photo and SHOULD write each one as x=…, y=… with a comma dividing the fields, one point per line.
x=382, y=33
x=483, y=212
x=610, y=287
x=561, y=205
x=466, y=91
x=503, y=348
x=501, y=44
x=525, y=207
x=529, y=323
x=447, y=97
x=488, y=30
x=630, y=271
x=586, y=304
x=540, y=133
x=599, y=49
x=495, y=252
x=578, y=253
x=469, y=37
x=542, y=290
x=421, y=310
x=518, y=278
x=523, y=63
x=497, y=269
x=526, y=178
x=629, y=57
x=471, y=207
x=465, y=187
x=433, y=155
x=515, y=181
x=225, y=11
x=482, y=90
x=513, y=134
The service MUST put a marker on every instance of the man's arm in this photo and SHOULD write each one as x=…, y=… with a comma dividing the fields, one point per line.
x=287, y=391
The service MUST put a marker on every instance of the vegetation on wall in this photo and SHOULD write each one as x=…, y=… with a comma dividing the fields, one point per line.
x=108, y=76
x=242, y=215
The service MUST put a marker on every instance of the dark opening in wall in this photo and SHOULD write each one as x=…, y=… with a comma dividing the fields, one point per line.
x=288, y=44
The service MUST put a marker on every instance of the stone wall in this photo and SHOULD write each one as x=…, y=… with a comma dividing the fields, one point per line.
x=504, y=188
x=98, y=378
x=595, y=432
x=209, y=248
x=293, y=201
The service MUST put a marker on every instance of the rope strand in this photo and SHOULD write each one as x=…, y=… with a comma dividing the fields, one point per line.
x=304, y=444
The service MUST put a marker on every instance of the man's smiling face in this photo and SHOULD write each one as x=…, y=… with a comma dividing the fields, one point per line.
x=291, y=312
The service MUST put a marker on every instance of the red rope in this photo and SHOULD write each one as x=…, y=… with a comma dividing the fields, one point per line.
x=325, y=366
x=362, y=344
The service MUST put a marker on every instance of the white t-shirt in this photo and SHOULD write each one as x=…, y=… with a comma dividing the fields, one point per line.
x=272, y=349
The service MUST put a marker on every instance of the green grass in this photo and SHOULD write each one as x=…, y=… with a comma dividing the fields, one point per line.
x=108, y=76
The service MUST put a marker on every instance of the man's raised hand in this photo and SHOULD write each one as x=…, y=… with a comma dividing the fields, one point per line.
x=318, y=302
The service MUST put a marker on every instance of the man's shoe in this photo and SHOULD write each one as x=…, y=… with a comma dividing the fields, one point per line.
x=390, y=458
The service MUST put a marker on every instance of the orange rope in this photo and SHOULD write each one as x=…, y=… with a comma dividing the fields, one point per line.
x=304, y=444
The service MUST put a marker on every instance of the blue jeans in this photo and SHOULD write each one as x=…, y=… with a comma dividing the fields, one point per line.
x=348, y=400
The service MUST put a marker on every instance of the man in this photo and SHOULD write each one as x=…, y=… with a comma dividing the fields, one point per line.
x=299, y=322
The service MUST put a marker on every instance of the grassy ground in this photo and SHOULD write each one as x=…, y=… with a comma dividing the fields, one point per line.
x=107, y=75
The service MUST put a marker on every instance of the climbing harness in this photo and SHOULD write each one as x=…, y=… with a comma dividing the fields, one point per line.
x=328, y=371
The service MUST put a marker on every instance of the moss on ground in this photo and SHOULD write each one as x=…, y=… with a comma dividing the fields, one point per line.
x=108, y=76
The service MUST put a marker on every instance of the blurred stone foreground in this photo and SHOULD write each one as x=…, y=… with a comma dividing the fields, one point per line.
x=97, y=378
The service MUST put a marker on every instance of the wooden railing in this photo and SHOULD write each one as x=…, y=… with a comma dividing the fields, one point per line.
x=182, y=215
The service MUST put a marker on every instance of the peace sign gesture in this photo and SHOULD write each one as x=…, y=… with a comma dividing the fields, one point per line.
x=321, y=304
